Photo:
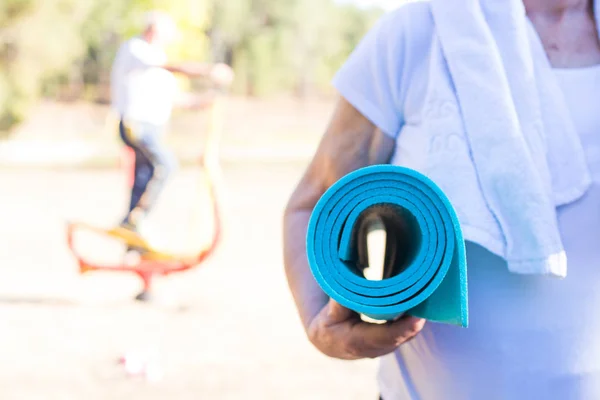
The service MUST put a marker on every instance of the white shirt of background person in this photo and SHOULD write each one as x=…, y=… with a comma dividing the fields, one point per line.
x=134, y=92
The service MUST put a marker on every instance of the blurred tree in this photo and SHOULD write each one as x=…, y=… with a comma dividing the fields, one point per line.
x=65, y=48
x=27, y=56
x=285, y=45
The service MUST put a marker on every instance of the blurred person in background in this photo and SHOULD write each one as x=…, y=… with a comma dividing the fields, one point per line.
x=144, y=92
x=530, y=336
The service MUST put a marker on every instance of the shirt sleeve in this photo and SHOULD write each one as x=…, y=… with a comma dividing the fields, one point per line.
x=370, y=77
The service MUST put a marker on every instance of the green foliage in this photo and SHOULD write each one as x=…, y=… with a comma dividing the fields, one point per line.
x=59, y=47
x=38, y=38
x=286, y=45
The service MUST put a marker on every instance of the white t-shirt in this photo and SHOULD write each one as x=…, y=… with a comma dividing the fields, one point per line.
x=530, y=337
x=142, y=91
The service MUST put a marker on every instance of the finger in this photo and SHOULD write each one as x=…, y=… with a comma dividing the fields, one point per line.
x=391, y=334
x=378, y=352
x=405, y=329
x=337, y=313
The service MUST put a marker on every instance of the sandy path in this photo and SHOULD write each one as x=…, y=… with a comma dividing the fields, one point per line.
x=235, y=334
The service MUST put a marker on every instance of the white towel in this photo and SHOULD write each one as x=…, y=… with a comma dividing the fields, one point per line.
x=496, y=114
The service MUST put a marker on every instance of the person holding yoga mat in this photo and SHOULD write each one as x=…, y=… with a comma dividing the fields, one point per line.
x=495, y=102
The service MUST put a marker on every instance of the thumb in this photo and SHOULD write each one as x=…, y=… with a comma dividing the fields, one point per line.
x=338, y=313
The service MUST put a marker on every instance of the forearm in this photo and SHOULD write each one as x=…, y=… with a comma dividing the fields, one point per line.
x=350, y=142
x=196, y=70
x=308, y=296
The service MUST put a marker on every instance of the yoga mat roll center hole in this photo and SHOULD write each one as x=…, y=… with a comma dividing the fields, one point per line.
x=424, y=263
x=399, y=231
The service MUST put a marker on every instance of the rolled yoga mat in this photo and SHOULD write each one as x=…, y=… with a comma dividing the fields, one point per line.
x=425, y=272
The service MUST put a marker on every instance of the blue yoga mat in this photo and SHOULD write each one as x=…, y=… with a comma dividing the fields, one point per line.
x=425, y=268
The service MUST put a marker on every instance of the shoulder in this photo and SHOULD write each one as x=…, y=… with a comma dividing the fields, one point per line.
x=411, y=23
x=417, y=11
x=378, y=74
x=141, y=50
x=136, y=44
x=127, y=48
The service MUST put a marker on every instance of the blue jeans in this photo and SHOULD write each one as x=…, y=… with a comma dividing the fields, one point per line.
x=154, y=164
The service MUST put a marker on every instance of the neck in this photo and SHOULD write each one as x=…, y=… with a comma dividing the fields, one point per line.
x=557, y=7
x=148, y=37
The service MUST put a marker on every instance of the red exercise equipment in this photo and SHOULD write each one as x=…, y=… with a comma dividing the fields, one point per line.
x=152, y=262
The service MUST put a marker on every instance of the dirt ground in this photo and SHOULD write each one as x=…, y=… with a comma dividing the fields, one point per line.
x=76, y=134
x=229, y=331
